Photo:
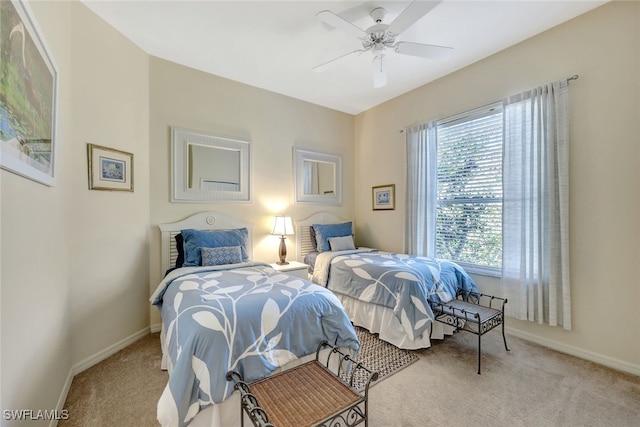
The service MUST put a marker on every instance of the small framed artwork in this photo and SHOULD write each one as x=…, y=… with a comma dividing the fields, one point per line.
x=384, y=197
x=109, y=169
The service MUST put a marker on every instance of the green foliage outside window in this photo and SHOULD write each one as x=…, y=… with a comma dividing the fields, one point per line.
x=469, y=191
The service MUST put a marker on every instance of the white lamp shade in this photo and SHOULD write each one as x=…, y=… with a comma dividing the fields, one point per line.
x=282, y=226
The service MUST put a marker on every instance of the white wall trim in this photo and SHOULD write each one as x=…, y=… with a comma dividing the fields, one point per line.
x=93, y=360
x=156, y=327
x=610, y=362
x=63, y=397
x=85, y=364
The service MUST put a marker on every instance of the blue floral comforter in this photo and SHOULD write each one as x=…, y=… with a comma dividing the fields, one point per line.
x=244, y=317
x=404, y=283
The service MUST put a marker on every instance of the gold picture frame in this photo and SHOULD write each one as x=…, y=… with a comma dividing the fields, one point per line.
x=109, y=169
x=384, y=197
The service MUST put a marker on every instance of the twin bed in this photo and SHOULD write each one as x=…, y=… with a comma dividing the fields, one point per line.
x=385, y=293
x=221, y=311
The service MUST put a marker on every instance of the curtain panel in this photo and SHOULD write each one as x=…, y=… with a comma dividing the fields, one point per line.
x=535, y=230
x=420, y=212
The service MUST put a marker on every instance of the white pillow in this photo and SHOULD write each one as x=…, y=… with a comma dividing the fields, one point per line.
x=343, y=243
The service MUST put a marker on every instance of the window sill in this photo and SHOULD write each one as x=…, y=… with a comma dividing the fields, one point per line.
x=481, y=270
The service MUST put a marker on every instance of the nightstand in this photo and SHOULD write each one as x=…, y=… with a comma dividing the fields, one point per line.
x=295, y=268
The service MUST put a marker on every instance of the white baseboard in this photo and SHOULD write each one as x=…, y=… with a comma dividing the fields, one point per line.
x=63, y=398
x=109, y=351
x=92, y=360
x=610, y=362
x=157, y=327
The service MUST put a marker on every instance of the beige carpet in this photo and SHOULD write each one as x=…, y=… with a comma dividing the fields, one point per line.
x=122, y=390
x=528, y=386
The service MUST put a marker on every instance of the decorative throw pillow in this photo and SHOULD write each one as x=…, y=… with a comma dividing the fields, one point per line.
x=180, y=249
x=196, y=239
x=314, y=242
x=221, y=255
x=343, y=243
x=325, y=231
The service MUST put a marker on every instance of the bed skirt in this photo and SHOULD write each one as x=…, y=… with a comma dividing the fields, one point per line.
x=381, y=320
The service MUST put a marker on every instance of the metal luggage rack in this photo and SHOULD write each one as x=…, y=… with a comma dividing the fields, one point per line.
x=472, y=312
x=309, y=394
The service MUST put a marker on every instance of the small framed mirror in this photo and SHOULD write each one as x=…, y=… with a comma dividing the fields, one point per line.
x=209, y=168
x=318, y=177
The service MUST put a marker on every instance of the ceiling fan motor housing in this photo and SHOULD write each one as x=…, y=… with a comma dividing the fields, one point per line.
x=378, y=35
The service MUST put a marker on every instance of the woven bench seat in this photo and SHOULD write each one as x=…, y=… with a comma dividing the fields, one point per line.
x=473, y=313
x=305, y=396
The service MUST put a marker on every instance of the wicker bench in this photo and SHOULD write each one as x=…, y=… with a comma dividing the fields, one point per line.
x=475, y=312
x=307, y=395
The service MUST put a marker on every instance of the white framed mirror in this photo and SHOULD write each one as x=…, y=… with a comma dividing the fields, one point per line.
x=209, y=168
x=318, y=177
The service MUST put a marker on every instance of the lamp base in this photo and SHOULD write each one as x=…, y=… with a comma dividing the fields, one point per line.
x=282, y=252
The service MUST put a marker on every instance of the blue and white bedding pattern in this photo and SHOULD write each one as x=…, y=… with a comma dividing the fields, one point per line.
x=404, y=283
x=243, y=317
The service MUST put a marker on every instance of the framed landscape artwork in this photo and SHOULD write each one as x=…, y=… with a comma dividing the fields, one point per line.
x=109, y=169
x=384, y=197
x=28, y=96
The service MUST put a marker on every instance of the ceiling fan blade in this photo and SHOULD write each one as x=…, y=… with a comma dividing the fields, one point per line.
x=416, y=10
x=429, y=51
x=335, y=61
x=379, y=71
x=335, y=21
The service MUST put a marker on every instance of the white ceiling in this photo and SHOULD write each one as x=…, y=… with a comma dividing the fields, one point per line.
x=275, y=44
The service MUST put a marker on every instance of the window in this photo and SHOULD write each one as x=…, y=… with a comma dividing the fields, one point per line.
x=469, y=190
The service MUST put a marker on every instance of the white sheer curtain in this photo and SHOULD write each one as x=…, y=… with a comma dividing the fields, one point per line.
x=420, y=212
x=311, y=178
x=535, y=231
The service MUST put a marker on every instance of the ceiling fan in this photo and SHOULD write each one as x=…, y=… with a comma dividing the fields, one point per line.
x=379, y=38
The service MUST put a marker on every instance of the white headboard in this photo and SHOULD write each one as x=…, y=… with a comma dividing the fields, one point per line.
x=303, y=231
x=207, y=220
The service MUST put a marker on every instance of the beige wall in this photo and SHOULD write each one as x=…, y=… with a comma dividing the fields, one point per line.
x=191, y=99
x=75, y=262
x=35, y=308
x=108, y=231
x=603, y=47
x=77, y=265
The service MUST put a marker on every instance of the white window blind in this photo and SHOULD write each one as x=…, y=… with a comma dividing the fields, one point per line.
x=469, y=190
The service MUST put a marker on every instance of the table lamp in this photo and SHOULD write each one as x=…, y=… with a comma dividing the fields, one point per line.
x=282, y=226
